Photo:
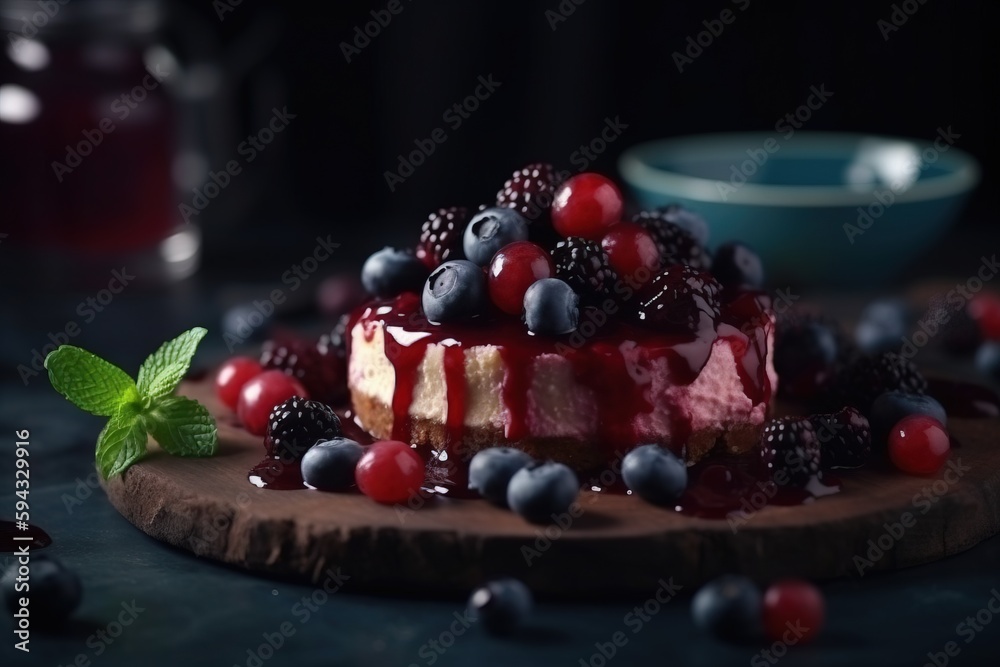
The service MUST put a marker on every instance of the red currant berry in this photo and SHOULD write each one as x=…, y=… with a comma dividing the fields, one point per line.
x=919, y=444
x=513, y=270
x=586, y=205
x=259, y=396
x=390, y=472
x=985, y=310
x=232, y=376
x=632, y=252
x=793, y=603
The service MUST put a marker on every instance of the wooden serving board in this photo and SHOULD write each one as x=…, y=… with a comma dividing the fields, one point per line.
x=620, y=545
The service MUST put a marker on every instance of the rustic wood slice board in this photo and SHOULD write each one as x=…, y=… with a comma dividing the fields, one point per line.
x=618, y=546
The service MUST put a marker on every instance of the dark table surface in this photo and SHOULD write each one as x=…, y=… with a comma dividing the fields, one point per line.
x=193, y=610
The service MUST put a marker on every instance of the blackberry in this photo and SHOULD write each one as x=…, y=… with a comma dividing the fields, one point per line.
x=790, y=451
x=320, y=366
x=297, y=424
x=529, y=191
x=868, y=377
x=585, y=267
x=441, y=236
x=845, y=438
x=679, y=299
x=676, y=244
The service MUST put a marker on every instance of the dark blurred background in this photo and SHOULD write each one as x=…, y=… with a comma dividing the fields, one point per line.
x=561, y=76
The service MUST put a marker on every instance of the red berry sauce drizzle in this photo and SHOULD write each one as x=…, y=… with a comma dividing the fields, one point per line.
x=598, y=361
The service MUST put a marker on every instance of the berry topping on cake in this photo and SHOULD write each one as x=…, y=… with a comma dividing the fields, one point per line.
x=586, y=205
x=530, y=191
x=441, y=236
x=390, y=472
x=790, y=451
x=551, y=307
x=676, y=244
x=919, y=444
x=329, y=465
x=585, y=267
x=632, y=251
x=868, y=377
x=793, y=603
x=501, y=605
x=513, y=270
x=655, y=474
x=231, y=377
x=541, y=491
x=320, y=366
x=491, y=469
x=728, y=608
x=259, y=396
x=390, y=271
x=297, y=424
x=490, y=230
x=680, y=300
x=735, y=264
x=845, y=438
x=455, y=291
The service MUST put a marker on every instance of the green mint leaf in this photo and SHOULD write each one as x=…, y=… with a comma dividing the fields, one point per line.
x=121, y=443
x=89, y=382
x=182, y=427
x=164, y=369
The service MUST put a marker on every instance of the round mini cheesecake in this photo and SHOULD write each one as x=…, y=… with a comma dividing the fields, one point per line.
x=584, y=399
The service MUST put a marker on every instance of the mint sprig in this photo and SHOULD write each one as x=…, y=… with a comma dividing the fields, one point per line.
x=137, y=409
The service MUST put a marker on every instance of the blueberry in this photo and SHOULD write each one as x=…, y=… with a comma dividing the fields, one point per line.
x=655, y=474
x=988, y=360
x=804, y=356
x=688, y=220
x=329, y=465
x=491, y=469
x=500, y=605
x=390, y=272
x=456, y=290
x=882, y=326
x=55, y=590
x=551, y=307
x=491, y=229
x=892, y=406
x=736, y=264
x=729, y=608
x=541, y=490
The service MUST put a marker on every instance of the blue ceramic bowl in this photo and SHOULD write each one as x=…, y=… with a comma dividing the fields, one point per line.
x=823, y=209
